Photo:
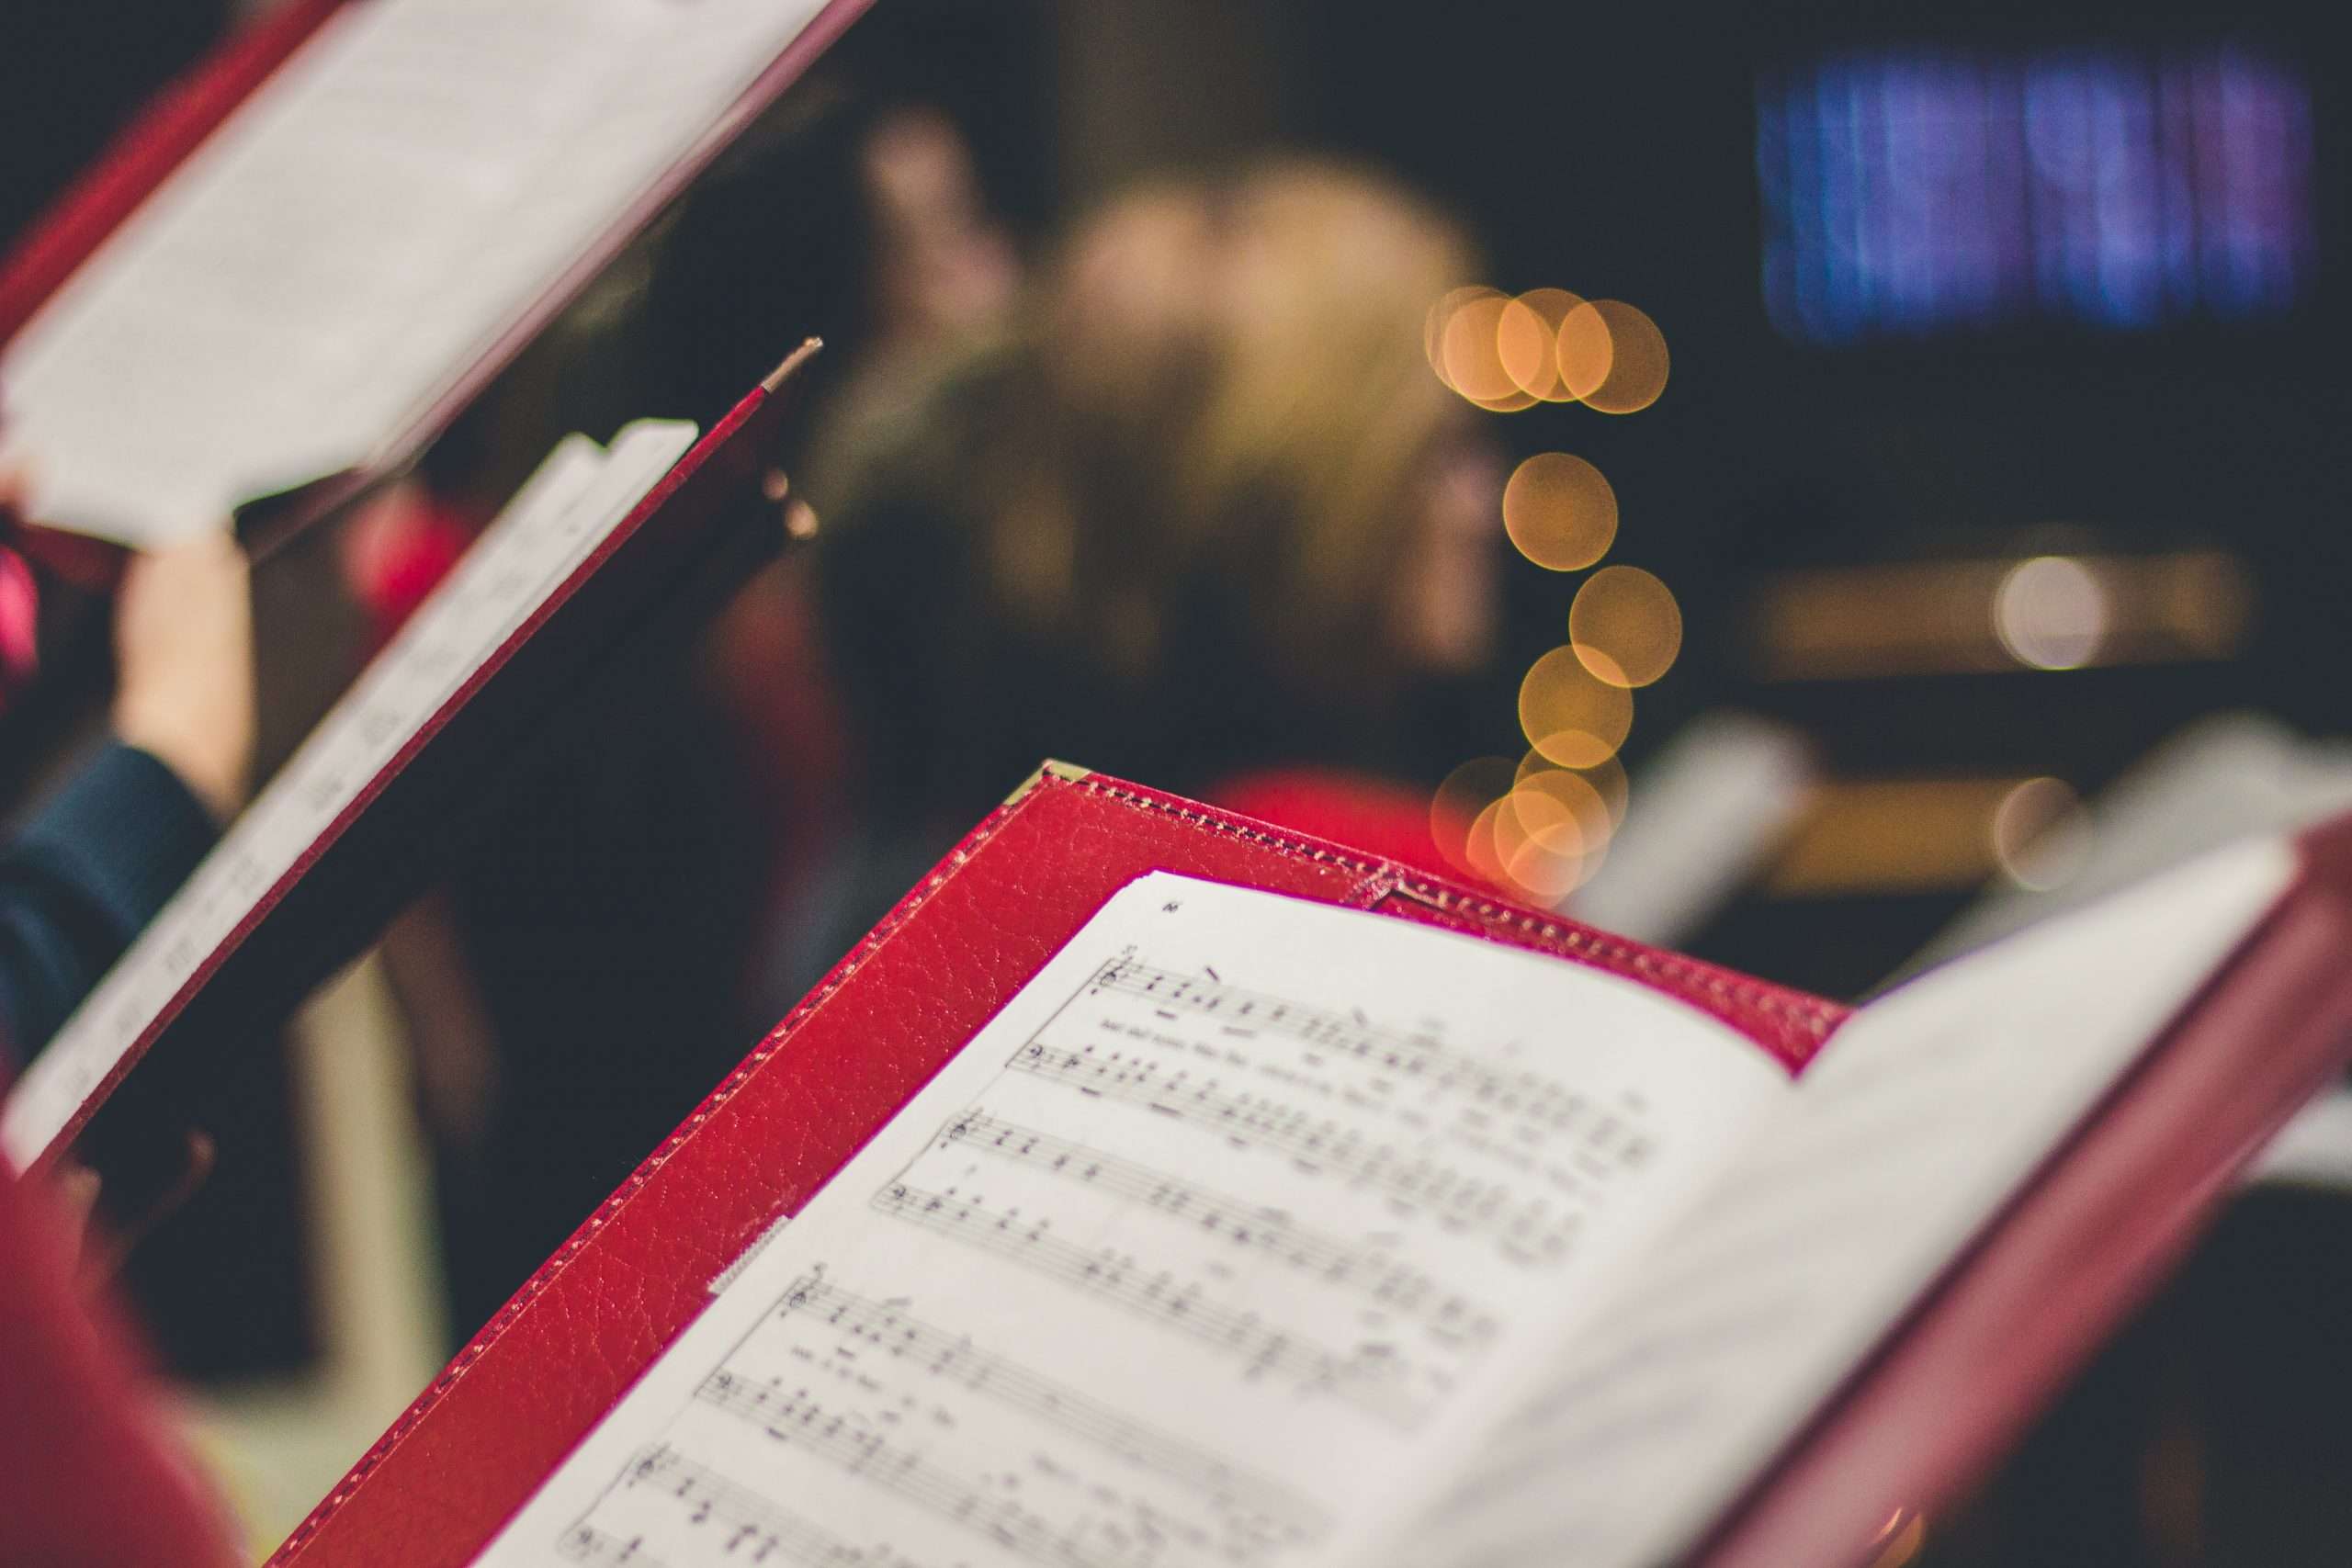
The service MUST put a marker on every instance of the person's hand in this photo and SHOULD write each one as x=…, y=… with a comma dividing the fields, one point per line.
x=184, y=657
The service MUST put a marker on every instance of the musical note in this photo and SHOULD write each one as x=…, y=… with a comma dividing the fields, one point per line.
x=759, y=1531
x=1389, y=1283
x=795, y=1417
x=1369, y=1380
x=1415, y=1057
x=1529, y=1228
x=902, y=1335
x=601, y=1549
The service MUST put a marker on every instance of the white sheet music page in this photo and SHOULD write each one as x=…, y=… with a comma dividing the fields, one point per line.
x=560, y=514
x=1906, y=1133
x=1218, y=1245
x=415, y=182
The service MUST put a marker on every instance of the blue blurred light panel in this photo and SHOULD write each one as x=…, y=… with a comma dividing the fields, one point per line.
x=1922, y=192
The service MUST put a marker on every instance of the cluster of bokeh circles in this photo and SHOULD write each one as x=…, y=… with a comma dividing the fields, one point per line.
x=1540, y=826
x=1507, y=352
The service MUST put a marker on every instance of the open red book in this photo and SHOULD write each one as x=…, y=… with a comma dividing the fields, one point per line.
x=1155, y=1187
x=301, y=265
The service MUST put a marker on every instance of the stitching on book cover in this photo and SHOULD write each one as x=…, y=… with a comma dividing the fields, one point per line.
x=1810, y=1016
x=1231, y=829
x=589, y=1228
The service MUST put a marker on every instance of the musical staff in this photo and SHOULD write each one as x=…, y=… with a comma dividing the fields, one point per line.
x=795, y=1417
x=1369, y=1381
x=1532, y=1229
x=601, y=1549
x=757, y=1530
x=1159, y=1272
x=1535, y=1096
x=1388, y=1282
x=902, y=1335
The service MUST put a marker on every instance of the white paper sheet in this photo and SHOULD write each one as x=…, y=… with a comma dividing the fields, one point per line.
x=1920, y=1118
x=353, y=240
x=1213, y=1248
x=566, y=509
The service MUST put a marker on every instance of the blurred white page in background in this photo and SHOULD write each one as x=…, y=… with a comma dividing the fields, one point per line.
x=2316, y=1148
x=1701, y=817
x=2221, y=778
x=372, y=221
x=562, y=512
x=1915, y=1126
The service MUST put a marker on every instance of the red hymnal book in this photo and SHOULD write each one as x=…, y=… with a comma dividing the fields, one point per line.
x=303, y=262
x=607, y=555
x=1156, y=1187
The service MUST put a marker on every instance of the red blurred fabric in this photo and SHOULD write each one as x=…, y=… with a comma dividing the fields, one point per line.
x=90, y=1476
x=19, y=626
x=398, y=552
x=789, y=739
x=1365, y=813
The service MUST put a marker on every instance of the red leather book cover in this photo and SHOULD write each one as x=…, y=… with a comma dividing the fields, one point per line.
x=479, y=1440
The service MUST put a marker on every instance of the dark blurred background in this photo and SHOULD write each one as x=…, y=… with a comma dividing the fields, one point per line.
x=1971, y=354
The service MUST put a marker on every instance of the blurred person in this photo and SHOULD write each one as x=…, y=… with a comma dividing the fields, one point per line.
x=1209, y=522
x=90, y=1471
x=861, y=218
x=853, y=215
x=98, y=859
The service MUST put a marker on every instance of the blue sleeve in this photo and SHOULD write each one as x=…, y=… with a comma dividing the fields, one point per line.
x=80, y=883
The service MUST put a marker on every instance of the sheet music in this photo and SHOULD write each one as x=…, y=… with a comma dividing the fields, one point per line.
x=1947, y=1093
x=1213, y=1247
x=559, y=515
x=354, y=239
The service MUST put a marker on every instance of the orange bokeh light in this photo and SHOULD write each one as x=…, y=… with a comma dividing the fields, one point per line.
x=1539, y=872
x=1527, y=341
x=1615, y=789
x=1468, y=791
x=1562, y=811
x=1571, y=715
x=1536, y=832
x=1469, y=349
x=1607, y=777
x=1625, y=626
x=1613, y=355
x=1479, y=848
x=1560, y=511
x=1510, y=403
x=1441, y=314
x=2041, y=835
x=1583, y=350
x=1543, y=878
